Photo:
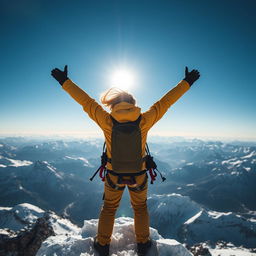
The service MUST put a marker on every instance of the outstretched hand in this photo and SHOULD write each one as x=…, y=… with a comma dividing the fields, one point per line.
x=192, y=76
x=60, y=76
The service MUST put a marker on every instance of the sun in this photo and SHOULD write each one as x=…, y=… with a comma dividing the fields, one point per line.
x=122, y=78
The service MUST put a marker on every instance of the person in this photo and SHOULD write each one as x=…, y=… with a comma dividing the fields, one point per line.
x=123, y=108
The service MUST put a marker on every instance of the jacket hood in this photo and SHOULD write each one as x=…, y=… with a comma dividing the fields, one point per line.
x=125, y=112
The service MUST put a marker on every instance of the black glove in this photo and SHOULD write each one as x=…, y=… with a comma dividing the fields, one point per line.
x=192, y=76
x=60, y=76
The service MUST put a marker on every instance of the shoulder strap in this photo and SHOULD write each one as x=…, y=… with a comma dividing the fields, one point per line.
x=104, y=149
x=147, y=149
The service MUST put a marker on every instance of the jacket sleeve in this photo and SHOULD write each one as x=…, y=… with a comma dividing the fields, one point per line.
x=157, y=111
x=90, y=106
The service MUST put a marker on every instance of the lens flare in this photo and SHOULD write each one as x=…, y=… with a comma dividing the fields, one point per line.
x=122, y=79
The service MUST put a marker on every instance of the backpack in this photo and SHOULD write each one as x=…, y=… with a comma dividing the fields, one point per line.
x=126, y=155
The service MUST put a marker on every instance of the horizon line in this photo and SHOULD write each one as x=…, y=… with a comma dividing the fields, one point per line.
x=93, y=135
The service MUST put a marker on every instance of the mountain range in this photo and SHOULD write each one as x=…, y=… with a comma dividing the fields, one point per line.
x=210, y=185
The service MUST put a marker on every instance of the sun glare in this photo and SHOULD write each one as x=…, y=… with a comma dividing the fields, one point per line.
x=122, y=79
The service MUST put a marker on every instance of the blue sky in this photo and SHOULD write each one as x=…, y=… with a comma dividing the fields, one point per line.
x=156, y=39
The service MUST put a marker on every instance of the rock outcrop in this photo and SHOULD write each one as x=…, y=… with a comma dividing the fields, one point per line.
x=27, y=241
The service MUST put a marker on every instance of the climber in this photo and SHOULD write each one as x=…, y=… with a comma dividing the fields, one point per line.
x=123, y=110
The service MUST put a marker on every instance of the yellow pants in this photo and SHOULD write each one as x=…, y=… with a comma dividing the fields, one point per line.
x=111, y=203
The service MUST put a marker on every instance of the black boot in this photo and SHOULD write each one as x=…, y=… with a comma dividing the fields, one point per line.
x=102, y=250
x=143, y=248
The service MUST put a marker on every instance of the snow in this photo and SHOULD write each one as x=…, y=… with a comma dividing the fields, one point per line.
x=217, y=215
x=233, y=162
x=4, y=232
x=5, y=208
x=161, y=205
x=253, y=153
x=181, y=218
x=18, y=163
x=52, y=169
x=70, y=240
x=231, y=252
x=17, y=217
x=63, y=226
x=122, y=244
x=45, y=166
x=227, y=249
x=226, y=161
x=238, y=162
x=167, y=207
x=192, y=219
x=27, y=212
x=247, y=168
x=225, y=226
x=84, y=160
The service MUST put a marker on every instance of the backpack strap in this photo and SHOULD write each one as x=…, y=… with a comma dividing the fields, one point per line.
x=102, y=168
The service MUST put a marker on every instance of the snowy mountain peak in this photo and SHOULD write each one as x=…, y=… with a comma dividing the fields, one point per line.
x=27, y=213
x=173, y=204
x=44, y=166
x=123, y=242
x=70, y=240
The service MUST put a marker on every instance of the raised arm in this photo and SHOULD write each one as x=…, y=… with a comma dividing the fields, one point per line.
x=156, y=111
x=90, y=106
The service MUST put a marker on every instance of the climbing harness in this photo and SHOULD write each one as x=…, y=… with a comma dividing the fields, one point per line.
x=126, y=158
x=152, y=167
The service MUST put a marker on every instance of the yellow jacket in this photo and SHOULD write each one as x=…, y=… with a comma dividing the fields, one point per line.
x=124, y=112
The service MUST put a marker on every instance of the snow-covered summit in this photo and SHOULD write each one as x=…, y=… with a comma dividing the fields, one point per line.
x=70, y=240
x=21, y=215
x=5, y=161
x=44, y=166
x=123, y=242
x=17, y=217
